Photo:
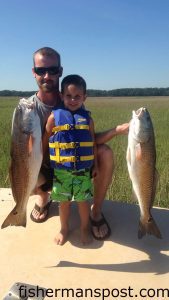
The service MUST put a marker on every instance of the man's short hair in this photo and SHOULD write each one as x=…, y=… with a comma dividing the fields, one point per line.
x=47, y=51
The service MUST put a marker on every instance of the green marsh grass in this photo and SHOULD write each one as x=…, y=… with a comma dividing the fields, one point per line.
x=107, y=113
x=7, y=105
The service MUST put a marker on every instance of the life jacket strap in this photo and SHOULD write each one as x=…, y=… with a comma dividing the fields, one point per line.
x=69, y=127
x=71, y=145
x=62, y=159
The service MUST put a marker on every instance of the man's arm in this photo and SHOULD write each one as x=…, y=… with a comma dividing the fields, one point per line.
x=47, y=133
x=104, y=137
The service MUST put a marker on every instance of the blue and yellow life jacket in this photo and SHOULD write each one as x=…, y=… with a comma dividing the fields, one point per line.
x=71, y=145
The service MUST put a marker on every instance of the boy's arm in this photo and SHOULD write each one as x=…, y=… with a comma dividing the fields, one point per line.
x=104, y=137
x=47, y=133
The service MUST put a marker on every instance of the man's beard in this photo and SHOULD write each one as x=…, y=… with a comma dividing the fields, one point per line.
x=48, y=86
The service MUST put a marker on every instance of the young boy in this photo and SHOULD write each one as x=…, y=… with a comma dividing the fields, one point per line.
x=70, y=134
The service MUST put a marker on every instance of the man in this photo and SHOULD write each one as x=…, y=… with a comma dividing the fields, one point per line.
x=47, y=70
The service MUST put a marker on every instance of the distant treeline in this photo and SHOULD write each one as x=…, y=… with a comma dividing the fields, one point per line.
x=124, y=92
x=129, y=92
x=12, y=93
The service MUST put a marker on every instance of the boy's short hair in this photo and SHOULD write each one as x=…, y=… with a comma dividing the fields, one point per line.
x=75, y=80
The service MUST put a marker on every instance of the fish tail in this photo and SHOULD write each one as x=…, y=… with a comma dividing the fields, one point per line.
x=149, y=227
x=15, y=218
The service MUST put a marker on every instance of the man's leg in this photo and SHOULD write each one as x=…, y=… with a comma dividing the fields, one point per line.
x=44, y=185
x=101, y=184
x=42, y=198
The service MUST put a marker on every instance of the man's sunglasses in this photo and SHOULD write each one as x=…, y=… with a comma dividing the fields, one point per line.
x=50, y=70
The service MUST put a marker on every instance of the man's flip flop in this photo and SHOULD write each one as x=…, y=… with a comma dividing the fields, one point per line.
x=41, y=210
x=98, y=224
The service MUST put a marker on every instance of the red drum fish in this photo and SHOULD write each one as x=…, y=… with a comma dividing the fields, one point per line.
x=141, y=160
x=26, y=159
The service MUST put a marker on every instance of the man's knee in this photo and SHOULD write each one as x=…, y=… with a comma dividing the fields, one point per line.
x=45, y=180
x=105, y=153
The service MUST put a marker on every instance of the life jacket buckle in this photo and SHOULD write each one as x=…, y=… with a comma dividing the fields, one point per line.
x=71, y=127
x=76, y=144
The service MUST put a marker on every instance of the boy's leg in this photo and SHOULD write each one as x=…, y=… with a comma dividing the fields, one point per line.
x=84, y=212
x=64, y=211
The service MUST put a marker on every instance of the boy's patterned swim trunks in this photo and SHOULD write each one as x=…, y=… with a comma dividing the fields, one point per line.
x=72, y=184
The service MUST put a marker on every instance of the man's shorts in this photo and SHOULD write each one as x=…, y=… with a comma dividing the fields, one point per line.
x=72, y=185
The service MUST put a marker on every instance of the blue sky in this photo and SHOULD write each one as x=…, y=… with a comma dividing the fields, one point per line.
x=111, y=43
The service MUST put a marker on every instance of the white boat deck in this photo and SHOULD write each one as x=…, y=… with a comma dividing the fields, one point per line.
x=122, y=265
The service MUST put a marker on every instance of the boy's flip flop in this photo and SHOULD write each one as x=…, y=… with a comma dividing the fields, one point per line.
x=98, y=224
x=41, y=210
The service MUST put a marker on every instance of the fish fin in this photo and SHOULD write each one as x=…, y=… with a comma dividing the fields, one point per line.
x=15, y=218
x=128, y=156
x=156, y=179
x=138, y=151
x=149, y=227
x=30, y=143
